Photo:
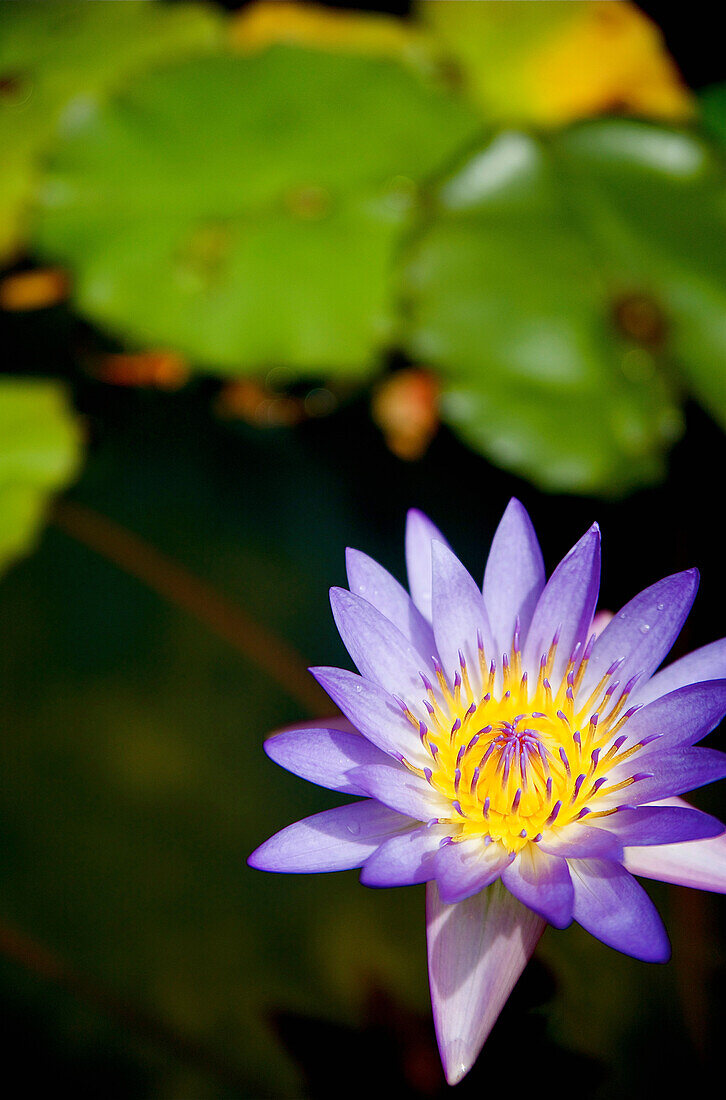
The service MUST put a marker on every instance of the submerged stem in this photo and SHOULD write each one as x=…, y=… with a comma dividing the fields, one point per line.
x=174, y=583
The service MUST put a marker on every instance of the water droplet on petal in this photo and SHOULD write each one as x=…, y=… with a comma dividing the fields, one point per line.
x=623, y=615
x=359, y=688
x=661, y=606
x=644, y=628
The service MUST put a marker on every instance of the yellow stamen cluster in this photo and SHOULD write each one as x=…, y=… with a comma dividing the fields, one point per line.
x=515, y=759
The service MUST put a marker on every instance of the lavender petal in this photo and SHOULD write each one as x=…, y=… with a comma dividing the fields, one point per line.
x=682, y=717
x=476, y=949
x=514, y=577
x=706, y=663
x=371, y=710
x=459, y=615
x=397, y=787
x=420, y=532
x=377, y=647
x=542, y=882
x=700, y=864
x=611, y=905
x=374, y=583
x=323, y=756
x=568, y=603
x=664, y=774
x=404, y=860
x=646, y=825
x=334, y=840
x=581, y=841
x=644, y=630
x=466, y=867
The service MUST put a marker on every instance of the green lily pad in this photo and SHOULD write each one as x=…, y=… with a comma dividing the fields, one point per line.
x=566, y=288
x=39, y=453
x=58, y=60
x=548, y=64
x=245, y=210
x=491, y=45
x=657, y=202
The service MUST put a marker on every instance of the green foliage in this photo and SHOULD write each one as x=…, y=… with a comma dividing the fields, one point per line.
x=566, y=289
x=713, y=110
x=296, y=209
x=39, y=451
x=59, y=60
x=488, y=42
x=245, y=210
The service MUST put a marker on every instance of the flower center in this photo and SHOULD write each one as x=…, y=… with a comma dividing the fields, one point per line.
x=514, y=758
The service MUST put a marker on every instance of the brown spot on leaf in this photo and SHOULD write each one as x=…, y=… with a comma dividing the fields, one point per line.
x=639, y=318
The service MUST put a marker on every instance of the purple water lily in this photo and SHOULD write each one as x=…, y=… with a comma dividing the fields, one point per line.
x=520, y=764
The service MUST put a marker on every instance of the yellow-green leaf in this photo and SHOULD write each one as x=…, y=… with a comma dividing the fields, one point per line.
x=39, y=454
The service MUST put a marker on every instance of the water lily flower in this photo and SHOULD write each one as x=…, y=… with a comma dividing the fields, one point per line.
x=521, y=764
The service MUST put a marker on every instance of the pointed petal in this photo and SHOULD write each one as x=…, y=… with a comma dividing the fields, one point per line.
x=514, y=577
x=664, y=774
x=662, y=825
x=644, y=630
x=706, y=663
x=682, y=717
x=477, y=949
x=542, y=882
x=580, y=841
x=397, y=787
x=568, y=602
x=459, y=615
x=698, y=863
x=374, y=583
x=465, y=868
x=404, y=860
x=378, y=648
x=372, y=711
x=611, y=905
x=323, y=756
x=420, y=532
x=334, y=840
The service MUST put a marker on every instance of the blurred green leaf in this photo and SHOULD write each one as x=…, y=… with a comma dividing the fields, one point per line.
x=244, y=210
x=485, y=39
x=565, y=287
x=58, y=60
x=558, y=60
x=655, y=201
x=39, y=453
x=713, y=110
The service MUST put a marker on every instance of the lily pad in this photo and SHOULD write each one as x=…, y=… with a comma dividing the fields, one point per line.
x=559, y=61
x=58, y=60
x=245, y=210
x=566, y=288
x=39, y=453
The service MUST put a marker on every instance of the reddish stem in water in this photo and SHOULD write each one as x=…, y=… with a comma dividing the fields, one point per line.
x=173, y=582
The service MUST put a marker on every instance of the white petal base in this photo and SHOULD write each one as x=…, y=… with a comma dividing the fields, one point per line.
x=477, y=949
